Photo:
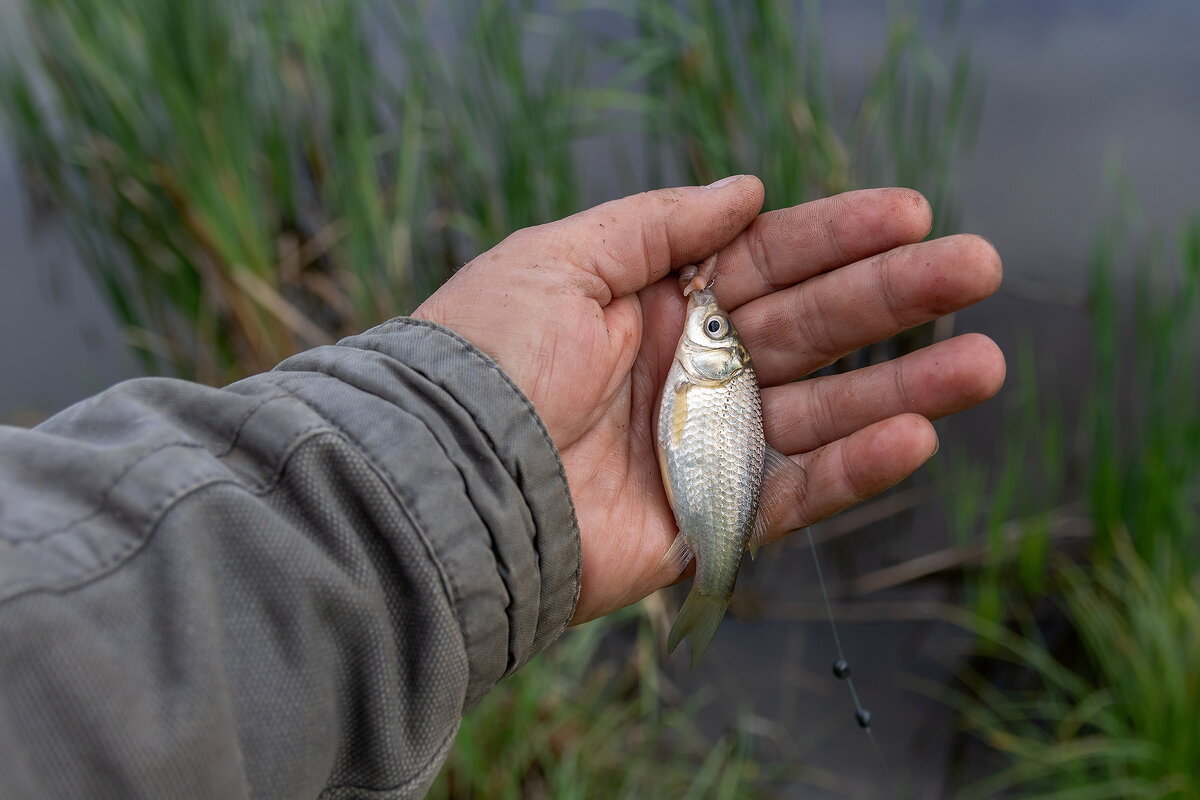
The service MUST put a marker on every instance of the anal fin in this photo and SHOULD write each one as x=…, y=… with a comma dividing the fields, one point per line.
x=676, y=559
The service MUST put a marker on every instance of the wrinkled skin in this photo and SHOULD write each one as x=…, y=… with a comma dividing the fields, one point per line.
x=584, y=316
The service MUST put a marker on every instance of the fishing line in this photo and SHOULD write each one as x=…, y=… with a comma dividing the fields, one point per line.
x=841, y=667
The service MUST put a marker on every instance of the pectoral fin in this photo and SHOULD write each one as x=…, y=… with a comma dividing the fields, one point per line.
x=676, y=559
x=782, y=487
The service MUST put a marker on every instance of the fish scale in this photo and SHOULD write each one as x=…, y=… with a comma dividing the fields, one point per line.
x=712, y=451
x=722, y=451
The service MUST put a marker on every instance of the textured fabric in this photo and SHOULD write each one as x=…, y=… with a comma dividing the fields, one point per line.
x=288, y=588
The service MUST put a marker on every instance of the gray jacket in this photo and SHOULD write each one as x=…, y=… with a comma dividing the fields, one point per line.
x=292, y=587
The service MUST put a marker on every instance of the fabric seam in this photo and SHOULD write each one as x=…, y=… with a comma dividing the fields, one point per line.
x=155, y=516
x=449, y=586
x=134, y=461
x=491, y=363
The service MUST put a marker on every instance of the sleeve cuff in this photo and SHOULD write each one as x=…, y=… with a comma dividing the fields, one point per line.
x=497, y=514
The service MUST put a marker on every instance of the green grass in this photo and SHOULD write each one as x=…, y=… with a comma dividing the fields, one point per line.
x=1103, y=706
x=208, y=181
x=244, y=180
x=573, y=725
x=1114, y=718
x=742, y=93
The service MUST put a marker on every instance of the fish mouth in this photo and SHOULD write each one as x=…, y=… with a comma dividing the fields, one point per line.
x=701, y=298
x=698, y=278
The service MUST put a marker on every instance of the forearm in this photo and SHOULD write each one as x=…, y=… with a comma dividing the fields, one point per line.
x=290, y=586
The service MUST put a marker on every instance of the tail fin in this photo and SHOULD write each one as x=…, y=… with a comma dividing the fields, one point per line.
x=698, y=620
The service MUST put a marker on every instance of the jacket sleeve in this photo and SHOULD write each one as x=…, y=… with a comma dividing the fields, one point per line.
x=291, y=587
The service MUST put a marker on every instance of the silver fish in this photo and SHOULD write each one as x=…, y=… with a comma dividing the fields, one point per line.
x=713, y=457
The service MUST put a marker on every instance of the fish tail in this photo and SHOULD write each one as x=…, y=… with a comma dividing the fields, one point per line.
x=698, y=620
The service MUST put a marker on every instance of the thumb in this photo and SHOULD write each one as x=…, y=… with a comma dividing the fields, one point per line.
x=634, y=241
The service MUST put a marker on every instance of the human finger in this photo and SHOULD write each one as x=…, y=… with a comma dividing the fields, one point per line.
x=934, y=382
x=797, y=330
x=852, y=469
x=632, y=242
x=782, y=248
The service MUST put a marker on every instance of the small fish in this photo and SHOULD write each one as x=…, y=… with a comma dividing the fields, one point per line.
x=714, y=459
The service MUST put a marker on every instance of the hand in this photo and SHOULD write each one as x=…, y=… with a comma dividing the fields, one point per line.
x=583, y=316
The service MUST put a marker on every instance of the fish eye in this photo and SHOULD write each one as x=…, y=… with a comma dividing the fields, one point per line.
x=716, y=326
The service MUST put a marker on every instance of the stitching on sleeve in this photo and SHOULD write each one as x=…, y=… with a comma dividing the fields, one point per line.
x=134, y=460
x=134, y=543
x=449, y=586
x=324, y=427
x=490, y=363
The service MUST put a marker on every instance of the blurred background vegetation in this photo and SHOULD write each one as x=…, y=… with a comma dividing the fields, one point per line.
x=246, y=178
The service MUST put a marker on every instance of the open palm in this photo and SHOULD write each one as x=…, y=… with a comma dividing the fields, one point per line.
x=583, y=315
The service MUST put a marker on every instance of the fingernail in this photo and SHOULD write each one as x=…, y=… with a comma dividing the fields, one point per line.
x=937, y=445
x=724, y=182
